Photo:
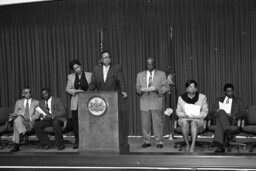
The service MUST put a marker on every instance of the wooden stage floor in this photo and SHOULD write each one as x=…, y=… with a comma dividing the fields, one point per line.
x=167, y=158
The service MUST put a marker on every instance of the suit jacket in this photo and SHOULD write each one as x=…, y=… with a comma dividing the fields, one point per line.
x=70, y=89
x=114, y=82
x=237, y=108
x=57, y=108
x=202, y=102
x=20, y=109
x=152, y=100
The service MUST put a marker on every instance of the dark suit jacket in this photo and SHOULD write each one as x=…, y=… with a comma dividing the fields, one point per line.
x=115, y=79
x=57, y=108
x=237, y=109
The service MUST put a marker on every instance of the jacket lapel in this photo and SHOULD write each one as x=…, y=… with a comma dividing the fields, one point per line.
x=101, y=73
x=52, y=104
x=110, y=70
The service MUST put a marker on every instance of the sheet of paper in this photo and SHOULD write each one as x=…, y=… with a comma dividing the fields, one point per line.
x=39, y=110
x=192, y=110
x=225, y=107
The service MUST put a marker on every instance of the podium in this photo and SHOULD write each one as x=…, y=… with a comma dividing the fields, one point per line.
x=103, y=122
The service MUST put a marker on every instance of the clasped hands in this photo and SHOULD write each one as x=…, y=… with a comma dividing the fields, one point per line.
x=148, y=90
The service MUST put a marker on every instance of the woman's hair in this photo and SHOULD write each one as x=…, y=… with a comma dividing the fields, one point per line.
x=190, y=82
x=73, y=62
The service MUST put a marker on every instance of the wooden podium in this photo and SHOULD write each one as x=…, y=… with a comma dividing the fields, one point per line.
x=103, y=122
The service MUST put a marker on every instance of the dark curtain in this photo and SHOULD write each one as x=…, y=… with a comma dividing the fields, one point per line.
x=214, y=42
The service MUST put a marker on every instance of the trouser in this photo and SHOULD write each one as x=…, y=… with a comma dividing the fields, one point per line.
x=223, y=122
x=41, y=134
x=156, y=117
x=75, y=125
x=20, y=126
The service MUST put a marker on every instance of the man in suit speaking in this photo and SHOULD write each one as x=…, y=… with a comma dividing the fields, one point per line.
x=151, y=86
x=108, y=76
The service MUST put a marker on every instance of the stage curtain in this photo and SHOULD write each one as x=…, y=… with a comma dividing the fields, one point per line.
x=213, y=42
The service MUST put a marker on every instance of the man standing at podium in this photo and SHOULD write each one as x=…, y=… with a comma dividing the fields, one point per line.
x=108, y=76
x=151, y=86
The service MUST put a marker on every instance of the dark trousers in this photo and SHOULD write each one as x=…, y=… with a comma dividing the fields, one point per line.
x=223, y=123
x=43, y=137
x=75, y=125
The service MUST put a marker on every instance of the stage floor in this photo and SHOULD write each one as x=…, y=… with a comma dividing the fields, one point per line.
x=152, y=158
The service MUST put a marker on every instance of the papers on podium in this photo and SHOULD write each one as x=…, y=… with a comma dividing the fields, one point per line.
x=39, y=110
x=192, y=110
x=225, y=107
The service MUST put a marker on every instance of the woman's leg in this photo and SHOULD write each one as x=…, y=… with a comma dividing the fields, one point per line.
x=184, y=125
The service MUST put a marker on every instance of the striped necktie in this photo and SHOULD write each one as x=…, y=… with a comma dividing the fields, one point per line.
x=150, y=79
x=27, y=109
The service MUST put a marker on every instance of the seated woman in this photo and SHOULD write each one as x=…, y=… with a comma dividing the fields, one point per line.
x=192, y=108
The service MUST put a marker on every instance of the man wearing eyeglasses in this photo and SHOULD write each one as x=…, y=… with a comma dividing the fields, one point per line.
x=108, y=76
x=23, y=117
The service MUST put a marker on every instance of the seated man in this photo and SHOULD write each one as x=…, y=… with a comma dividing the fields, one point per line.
x=23, y=117
x=52, y=114
x=226, y=110
x=191, y=122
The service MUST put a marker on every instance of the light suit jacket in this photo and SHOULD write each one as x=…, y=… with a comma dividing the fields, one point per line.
x=152, y=100
x=20, y=109
x=202, y=102
x=70, y=89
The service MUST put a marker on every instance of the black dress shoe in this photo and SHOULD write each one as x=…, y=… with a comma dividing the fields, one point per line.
x=75, y=146
x=220, y=150
x=159, y=145
x=46, y=147
x=15, y=148
x=61, y=147
x=145, y=145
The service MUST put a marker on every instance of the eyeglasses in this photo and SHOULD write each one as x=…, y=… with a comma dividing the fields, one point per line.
x=106, y=57
x=27, y=92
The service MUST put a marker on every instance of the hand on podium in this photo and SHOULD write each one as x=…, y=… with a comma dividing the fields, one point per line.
x=124, y=95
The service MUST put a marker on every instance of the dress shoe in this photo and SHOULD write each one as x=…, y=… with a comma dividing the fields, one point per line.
x=15, y=148
x=61, y=147
x=75, y=146
x=46, y=147
x=145, y=145
x=159, y=145
x=220, y=150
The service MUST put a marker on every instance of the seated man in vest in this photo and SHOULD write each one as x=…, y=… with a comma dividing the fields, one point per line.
x=23, y=117
x=52, y=113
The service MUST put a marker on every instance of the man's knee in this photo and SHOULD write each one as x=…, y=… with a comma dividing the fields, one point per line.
x=57, y=123
x=220, y=113
x=19, y=119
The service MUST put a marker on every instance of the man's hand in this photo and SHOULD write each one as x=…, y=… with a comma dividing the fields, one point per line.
x=124, y=94
x=79, y=91
x=26, y=119
x=48, y=116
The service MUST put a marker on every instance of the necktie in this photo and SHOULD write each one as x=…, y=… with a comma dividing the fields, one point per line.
x=47, y=106
x=150, y=80
x=227, y=102
x=27, y=110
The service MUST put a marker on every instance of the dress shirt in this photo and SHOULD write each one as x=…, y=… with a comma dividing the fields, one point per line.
x=25, y=102
x=148, y=76
x=105, y=72
x=49, y=103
